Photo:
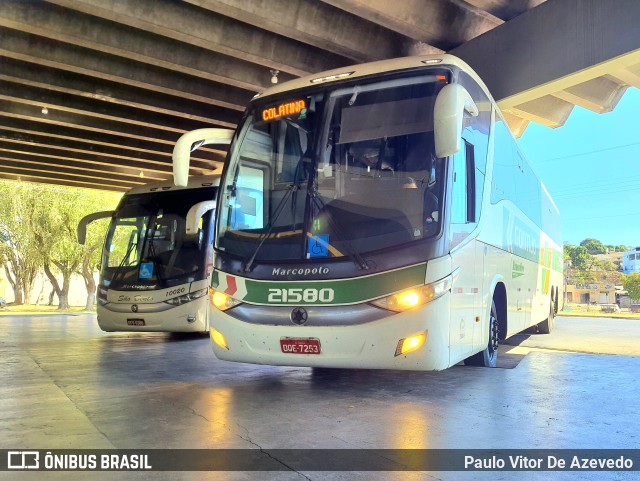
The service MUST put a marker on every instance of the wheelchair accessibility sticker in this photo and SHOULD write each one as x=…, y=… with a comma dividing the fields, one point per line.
x=318, y=246
x=146, y=270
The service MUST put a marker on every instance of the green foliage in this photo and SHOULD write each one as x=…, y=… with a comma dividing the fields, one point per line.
x=581, y=277
x=579, y=256
x=41, y=221
x=20, y=252
x=606, y=265
x=594, y=246
x=631, y=284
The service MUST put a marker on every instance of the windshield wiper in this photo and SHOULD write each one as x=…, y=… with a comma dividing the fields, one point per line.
x=292, y=192
x=119, y=271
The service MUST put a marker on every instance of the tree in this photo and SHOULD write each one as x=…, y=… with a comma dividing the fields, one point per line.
x=605, y=265
x=579, y=257
x=93, y=245
x=20, y=253
x=38, y=225
x=576, y=276
x=594, y=246
x=60, y=211
x=631, y=284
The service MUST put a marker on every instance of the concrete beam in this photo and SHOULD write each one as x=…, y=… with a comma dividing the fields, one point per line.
x=505, y=9
x=71, y=174
x=31, y=111
x=557, y=45
x=98, y=109
x=550, y=111
x=314, y=23
x=516, y=124
x=147, y=153
x=205, y=29
x=63, y=163
x=69, y=26
x=599, y=95
x=75, y=85
x=89, y=159
x=629, y=75
x=438, y=23
x=48, y=178
x=69, y=58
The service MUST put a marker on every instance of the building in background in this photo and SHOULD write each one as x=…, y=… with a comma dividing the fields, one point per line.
x=591, y=293
x=631, y=261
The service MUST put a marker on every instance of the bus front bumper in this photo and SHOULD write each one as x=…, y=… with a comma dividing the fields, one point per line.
x=372, y=345
x=189, y=317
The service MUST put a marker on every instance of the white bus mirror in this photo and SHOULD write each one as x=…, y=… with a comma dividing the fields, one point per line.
x=88, y=219
x=448, y=115
x=189, y=142
x=195, y=213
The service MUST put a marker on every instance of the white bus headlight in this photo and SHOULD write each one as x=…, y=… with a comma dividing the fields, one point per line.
x=222, y=301
x=183, y=299
x=414, y=297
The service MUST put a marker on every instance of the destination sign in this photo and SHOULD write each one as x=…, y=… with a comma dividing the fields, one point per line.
x=283, y=110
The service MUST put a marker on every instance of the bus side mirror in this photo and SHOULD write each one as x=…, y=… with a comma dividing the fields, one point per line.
x=195, y=213
x=448, y=115
x=189, y=142
x=88, y=219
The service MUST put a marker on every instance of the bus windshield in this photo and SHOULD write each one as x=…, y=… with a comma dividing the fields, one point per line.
x=336, y=172
x=146, y=246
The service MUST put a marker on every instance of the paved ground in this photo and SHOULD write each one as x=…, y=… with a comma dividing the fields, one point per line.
x=66, y=384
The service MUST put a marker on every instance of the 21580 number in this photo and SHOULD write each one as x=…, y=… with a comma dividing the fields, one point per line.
x=309, y=295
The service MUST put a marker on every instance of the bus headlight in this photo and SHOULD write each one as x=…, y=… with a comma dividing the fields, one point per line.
x=411, y=343
x=417, y=296
x=218, y=338
x=183, y=299
x=222, y=301
x=102, y=296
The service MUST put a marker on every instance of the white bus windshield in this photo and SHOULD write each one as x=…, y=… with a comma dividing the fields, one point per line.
x=335, y=173
x=146, y=245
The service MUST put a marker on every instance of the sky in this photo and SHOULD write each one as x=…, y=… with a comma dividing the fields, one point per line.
x=591, y=168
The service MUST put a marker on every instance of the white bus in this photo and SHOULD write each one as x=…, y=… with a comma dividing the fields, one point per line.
x=157, y=258
x=379, y=216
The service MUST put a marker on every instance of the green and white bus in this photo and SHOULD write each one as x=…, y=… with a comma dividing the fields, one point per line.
x=378, y=216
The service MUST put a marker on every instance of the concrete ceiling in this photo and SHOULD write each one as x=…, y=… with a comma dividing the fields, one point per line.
x=94, y=93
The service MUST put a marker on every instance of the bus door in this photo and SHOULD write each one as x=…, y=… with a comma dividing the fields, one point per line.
x=467, y=256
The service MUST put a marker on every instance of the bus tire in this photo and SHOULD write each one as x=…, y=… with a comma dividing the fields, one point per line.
x=488, y=357
x=546, y=326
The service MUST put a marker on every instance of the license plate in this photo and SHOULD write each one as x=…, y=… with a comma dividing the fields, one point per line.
x=300, y=346
x=135, y=322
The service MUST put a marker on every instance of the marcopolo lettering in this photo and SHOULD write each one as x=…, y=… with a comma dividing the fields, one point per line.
x=301, y=271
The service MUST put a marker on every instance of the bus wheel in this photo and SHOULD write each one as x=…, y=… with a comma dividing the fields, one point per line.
x=489, y=356
x=546, y=326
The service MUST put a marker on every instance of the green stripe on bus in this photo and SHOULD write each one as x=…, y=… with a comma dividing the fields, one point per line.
x=339, y=291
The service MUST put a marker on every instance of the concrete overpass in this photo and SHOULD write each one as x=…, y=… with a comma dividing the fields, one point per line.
x=94, y=93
